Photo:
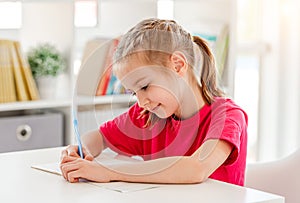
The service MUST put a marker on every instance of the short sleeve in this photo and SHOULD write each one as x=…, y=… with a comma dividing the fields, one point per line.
x=120, y=133
x=228, y=123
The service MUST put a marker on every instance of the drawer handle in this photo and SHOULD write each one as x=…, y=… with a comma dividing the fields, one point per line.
x=23, y=132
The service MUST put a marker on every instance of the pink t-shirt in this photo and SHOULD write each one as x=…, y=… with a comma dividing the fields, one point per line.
x=223, y=119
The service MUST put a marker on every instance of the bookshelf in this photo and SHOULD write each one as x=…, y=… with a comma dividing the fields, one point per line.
x=48, y=18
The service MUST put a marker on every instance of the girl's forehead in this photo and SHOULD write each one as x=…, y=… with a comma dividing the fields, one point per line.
x=136, y=73
x=126, y=65
x=143, y=75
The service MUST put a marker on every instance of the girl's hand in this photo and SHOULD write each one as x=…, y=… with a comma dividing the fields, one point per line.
x=72, y=151
x=74, y=168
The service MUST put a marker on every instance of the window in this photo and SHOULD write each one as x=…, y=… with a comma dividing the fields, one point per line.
x=246, y=93
x=85, y=13
x=248, y=62
x=165, y=9
x=10, y=15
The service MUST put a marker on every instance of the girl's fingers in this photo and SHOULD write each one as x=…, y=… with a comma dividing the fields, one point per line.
x=63, y=154
x=73, y=151
x=67, y=168
x=73, y=177
x=70, y=150
x=70, y=164
x=89, y=157
x=66, y=159
x=65, y=162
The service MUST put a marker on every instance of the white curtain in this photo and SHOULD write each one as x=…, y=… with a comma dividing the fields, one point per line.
x=279, y=105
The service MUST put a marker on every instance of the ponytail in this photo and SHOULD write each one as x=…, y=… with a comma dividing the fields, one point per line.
x=208, y=76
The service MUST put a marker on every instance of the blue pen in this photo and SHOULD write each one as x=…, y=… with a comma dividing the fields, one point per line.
x=75, y=122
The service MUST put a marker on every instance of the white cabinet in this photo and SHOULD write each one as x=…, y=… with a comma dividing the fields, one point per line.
x=31, y=131
x=85, y=104
x=52, y=21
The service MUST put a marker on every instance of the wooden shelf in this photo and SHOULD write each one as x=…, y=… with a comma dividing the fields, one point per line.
x=40, y=104
x=108, y=99
x=62, y=103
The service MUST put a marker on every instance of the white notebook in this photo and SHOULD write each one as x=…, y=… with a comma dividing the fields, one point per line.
x=106, y=158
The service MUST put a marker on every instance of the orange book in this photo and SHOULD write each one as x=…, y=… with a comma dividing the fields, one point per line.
x=104, y=81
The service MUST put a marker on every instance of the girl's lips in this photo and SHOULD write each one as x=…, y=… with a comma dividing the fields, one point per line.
x=155, y=108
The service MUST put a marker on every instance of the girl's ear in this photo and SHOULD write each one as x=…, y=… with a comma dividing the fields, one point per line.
x=179, y=63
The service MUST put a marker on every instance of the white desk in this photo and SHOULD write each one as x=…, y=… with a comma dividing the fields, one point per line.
x=20, y=183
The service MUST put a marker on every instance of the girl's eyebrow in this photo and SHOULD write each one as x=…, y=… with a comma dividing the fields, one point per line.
x=139, y=80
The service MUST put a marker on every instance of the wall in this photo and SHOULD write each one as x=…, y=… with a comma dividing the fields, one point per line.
x=115, y=18
x=279, y=113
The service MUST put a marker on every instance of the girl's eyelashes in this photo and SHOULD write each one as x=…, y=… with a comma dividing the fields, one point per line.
x=144, y=87
x=131, y=92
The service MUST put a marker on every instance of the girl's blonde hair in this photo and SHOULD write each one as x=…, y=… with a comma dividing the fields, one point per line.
x=155, y=39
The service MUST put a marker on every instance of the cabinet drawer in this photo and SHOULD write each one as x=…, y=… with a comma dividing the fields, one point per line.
x=31, y=131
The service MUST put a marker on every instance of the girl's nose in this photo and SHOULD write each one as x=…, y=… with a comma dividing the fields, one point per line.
x=143, y=100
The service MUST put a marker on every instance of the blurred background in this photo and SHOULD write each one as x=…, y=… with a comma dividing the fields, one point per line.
x=256, y=42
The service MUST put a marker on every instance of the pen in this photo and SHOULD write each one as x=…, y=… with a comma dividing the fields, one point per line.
x=75, y=122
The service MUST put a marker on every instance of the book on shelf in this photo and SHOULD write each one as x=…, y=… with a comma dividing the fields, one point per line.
x=91, y=46
x=95, y=67
x=16, y=80
x=111, y=87
x=107, y=81
x=7, y=83
x=217, y=36
x=21, y=89
x=29, y=80
x=221, y=50
x=104, y=81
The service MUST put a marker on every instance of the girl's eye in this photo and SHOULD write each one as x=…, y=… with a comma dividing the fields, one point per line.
x=144, y=88
x=131, y=92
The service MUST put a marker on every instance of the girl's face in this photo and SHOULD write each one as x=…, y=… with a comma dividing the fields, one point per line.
x=157, y=88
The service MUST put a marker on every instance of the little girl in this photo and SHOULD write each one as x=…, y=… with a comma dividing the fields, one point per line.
x=182, y=126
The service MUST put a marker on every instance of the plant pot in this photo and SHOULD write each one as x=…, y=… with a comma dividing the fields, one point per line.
x=47, y=87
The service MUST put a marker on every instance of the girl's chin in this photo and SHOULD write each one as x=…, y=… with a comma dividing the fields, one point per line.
x=162, y=115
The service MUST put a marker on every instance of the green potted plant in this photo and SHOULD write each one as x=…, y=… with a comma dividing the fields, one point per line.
x=46, y=63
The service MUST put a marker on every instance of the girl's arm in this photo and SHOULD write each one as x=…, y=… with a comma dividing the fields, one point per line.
x=93, y=142
x=187, y=169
